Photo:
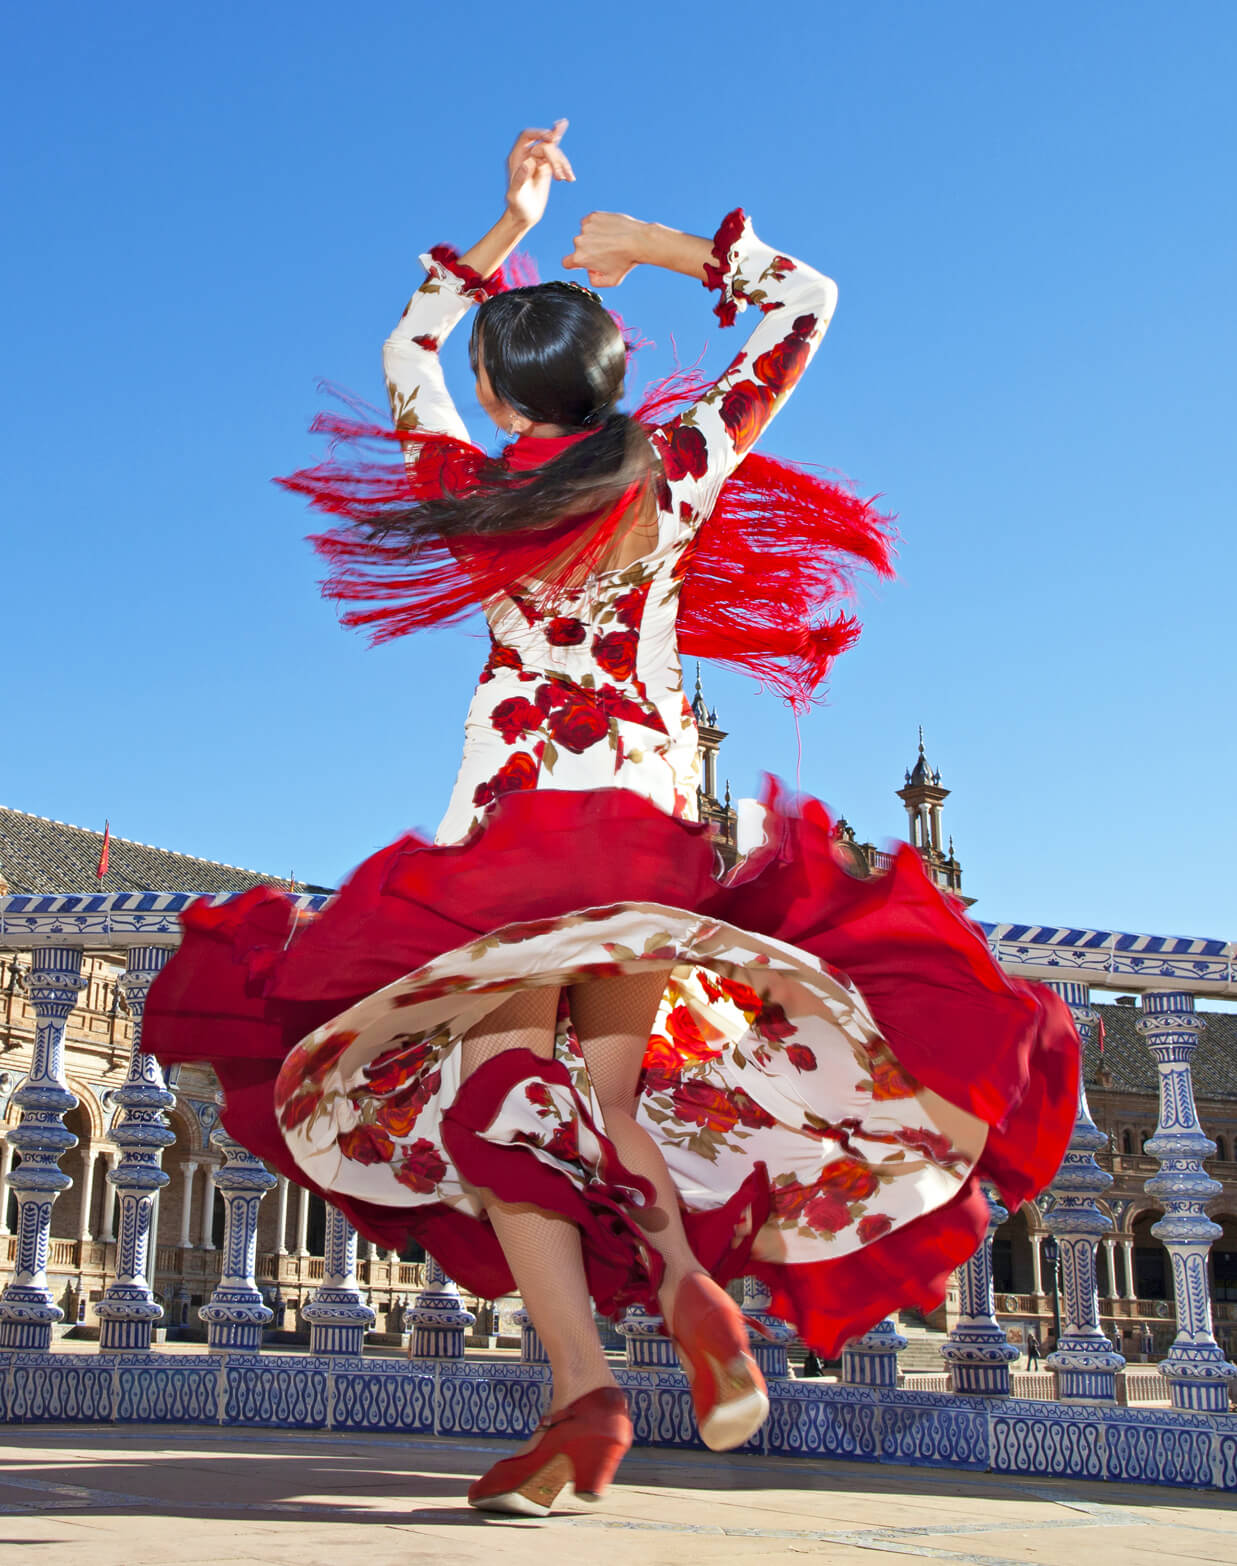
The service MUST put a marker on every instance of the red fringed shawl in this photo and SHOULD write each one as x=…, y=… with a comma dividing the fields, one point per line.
x=762, y=579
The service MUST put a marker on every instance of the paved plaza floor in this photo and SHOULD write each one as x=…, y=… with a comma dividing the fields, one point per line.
x=169, y=1494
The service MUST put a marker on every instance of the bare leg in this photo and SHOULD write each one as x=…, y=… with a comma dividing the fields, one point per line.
x=613, y=1019
x=542, y=1249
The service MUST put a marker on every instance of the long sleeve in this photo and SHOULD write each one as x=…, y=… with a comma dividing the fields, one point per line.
x=415, y=383
x=706, y=442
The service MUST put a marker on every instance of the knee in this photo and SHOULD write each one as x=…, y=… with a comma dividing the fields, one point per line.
x=616, y=1114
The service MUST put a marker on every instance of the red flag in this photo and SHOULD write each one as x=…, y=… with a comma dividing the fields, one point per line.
x=1099, y=1033
x=101, y=868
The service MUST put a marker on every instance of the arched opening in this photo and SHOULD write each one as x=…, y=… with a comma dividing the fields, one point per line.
x=316, y=1239
x=1221, y=1149
x=1152, y=1273
x=1223, y=1261
x=77, y=1163
x=218, y=1219
x=1127, y=1142
x=178, y=1223
x=1222, y=1267
x=1011, y=1257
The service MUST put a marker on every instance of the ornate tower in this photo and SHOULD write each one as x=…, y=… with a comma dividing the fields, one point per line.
x=717, y=812
x=923, y=796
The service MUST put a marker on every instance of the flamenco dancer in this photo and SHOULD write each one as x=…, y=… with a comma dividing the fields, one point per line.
x=559, y=1047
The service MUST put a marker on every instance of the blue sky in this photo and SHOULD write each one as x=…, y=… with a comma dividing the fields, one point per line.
x=1029, y=214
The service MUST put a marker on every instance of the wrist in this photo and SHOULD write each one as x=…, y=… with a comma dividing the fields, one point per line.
x=512, y=226
x=649, y=243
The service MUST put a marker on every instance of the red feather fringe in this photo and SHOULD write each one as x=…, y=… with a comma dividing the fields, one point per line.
x=762, y=580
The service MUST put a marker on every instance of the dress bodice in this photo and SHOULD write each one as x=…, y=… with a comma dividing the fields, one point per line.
x=587, y=691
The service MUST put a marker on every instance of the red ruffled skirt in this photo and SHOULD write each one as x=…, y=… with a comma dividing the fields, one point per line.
x=836, y=1065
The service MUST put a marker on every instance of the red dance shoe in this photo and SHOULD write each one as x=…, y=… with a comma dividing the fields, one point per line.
x=582, y=1444
x=728, y=1390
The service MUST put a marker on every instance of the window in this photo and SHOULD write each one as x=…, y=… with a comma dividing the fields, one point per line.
x=1127, y=1142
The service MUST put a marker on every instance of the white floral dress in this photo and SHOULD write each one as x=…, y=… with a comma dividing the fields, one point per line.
x=592, y=695
x=835, y=1064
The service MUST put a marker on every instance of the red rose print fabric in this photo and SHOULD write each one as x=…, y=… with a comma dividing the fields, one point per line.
x=835, y=1064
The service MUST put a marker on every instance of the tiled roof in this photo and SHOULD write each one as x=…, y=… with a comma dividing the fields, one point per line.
x=1130, y=1064
x=49, y=857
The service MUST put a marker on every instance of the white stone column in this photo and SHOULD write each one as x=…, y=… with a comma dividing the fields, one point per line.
x=107, y=1233
x=154, y=1239
x=83, y=1221
x=281, y=1218
x=1037, y=1271
x=208, y=1207
x=1127, y=1245
x=302, y=1223
x=1110, y=1250
x=6, y=1168
x=186, y=1202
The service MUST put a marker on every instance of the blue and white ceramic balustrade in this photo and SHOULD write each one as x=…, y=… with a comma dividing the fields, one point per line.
x=649, y=1346
x=236, y=1313
x=128, y=1310
x=769, y=1335
x=438, y=1320
x=872, y=1360
x=977, y=1351
x=1197, y=1373
x=338, y=1316
x=27, y=1309
x=1085, y=1361
x=532, y=1349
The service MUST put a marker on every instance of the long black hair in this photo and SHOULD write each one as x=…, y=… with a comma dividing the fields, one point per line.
x=553, y=353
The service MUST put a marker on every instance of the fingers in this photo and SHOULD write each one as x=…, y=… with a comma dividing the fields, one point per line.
x=543, y=143
x=555, y=160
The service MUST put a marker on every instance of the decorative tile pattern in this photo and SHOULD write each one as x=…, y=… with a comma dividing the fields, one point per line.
x=932, y=1429
x=823, y=1421
x=290, y=1392
x=383, y=1397
x=489, y=1399
x=183, y=1391
x=1163, y=1450
x=1036, y=1438
x=69, y=1387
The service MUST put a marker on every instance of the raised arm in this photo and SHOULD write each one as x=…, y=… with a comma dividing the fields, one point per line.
x=415, y=384
x=704, y=444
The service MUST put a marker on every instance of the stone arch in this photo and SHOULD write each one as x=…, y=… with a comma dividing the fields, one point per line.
x=80, y=1163
x=1136, y=1209
x=1153, y=1277
x=1011, y=1255
x=87, y=1094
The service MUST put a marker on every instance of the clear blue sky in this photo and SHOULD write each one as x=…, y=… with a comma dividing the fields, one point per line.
x=1029, y=212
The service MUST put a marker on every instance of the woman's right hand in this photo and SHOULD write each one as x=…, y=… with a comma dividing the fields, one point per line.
x=608, y=245
x=533, y=164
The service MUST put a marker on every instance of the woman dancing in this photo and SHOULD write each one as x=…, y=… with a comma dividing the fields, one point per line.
x=560, y=1047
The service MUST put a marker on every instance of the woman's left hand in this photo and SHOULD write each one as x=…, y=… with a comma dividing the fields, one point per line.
x=533, y=164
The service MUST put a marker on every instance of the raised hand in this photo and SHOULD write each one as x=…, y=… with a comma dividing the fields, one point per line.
x=533, y=164
x=608, y=245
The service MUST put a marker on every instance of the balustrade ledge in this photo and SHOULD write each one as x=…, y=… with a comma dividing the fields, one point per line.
x=1100, y=959
x=502, y=1401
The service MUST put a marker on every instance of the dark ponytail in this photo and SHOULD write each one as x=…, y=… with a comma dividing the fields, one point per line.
x=553, y=353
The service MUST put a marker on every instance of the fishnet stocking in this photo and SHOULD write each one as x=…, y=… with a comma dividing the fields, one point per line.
x=542, y=1249
x=613, y=1019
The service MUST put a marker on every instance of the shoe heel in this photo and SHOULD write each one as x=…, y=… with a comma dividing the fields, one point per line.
x=740, y=1404
x=594, y=1465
